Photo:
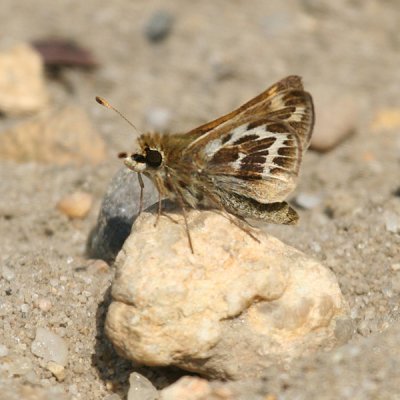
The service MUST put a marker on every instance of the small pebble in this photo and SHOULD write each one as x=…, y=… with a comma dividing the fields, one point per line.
x=395, y=267
x=44, y=304
x=76, y=205
x=392, y=221
x=24, y=308
x=307, y=201
x=50, y=346
x=3, y=350
x=141, y=388
x=57, y=370
x=159, y=26
x=7, y=273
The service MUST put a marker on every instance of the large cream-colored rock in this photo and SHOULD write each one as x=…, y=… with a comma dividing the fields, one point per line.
x=230, y=310
x=60, y=136
x=22, y=85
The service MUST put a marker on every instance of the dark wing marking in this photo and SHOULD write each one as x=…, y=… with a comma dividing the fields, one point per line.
x=261, y=163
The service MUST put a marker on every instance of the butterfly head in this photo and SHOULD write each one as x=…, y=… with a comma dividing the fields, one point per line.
x=146, y=161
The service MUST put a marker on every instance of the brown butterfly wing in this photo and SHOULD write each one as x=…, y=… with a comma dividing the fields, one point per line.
x=285, y=100
x=256, y=150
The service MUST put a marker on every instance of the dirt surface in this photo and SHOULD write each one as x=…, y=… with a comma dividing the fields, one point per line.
x=217, y=55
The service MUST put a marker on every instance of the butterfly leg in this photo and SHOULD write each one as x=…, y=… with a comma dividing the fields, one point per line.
x=241, y=223
x=159, y=209
x=141, y=184
x=182, y=205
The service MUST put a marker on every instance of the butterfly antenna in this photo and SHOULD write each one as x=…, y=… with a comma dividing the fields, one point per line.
x=106, y=104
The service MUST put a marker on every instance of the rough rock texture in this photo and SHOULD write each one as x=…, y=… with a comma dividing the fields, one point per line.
x=118, y=211
x=228, y=313
x=60, y=136
x=22, y=85
x=195, y=388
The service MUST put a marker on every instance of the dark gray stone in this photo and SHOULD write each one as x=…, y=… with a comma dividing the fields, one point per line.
x=159, y=26
x=118, y=211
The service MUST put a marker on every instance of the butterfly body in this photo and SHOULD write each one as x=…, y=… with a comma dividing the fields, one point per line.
x=244, y=163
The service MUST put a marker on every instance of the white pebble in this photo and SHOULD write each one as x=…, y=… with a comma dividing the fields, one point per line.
x=392, y=221
x=141, y=388
x=49, y=346
x=307, y=201
x=8, y=273
x=24, y=308
x=3, y=350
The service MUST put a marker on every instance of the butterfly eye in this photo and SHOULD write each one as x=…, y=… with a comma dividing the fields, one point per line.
x=153, y=158
x=138, y=158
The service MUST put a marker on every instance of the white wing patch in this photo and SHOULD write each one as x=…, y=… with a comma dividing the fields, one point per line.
x=268, y=155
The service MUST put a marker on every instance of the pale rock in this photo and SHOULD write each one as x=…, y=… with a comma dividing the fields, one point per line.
x=61, y=136
x=195, y=388
x=392, y=221
x=96, y=267
x=8, y=273
x=32, y=392
x=76, y=205
x=50, y=346
x=337, y=117
x=22, y=85
x=3, y=350
x=140, y=388
x=187, y=388
x=230, y=310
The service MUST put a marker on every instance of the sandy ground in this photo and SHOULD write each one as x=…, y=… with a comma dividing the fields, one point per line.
x=218, y=55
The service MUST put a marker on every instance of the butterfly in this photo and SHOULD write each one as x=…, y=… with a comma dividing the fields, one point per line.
x=244, y=163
